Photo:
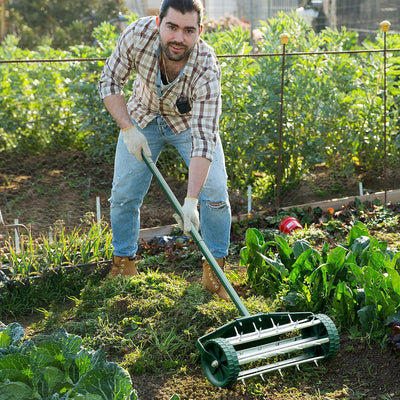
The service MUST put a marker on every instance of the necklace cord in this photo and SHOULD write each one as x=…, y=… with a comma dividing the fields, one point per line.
x=165, y=68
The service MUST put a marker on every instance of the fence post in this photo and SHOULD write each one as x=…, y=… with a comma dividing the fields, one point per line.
x=385, y=28
x=284, y=41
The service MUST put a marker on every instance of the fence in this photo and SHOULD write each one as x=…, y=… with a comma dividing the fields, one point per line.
x=277, y=160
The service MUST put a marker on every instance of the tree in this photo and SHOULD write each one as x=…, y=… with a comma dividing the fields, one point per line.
x=61, y=23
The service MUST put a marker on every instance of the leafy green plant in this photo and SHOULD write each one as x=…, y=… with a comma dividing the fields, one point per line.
x=359, y=282
x=80, y=247
x=57, y=366
x=56, y=106
x=47, y=270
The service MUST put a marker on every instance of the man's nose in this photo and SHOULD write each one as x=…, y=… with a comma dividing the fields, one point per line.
x=179, y=35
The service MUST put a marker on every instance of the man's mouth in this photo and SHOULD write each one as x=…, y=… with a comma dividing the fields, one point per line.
x=176, y=47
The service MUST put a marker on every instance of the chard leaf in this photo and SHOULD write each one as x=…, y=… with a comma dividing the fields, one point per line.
x=357, y=230
x=275, y=264
x=305, y=262
x=300, y=247
x=337, y=257
x=359, y=246
x=394, y=278
x=292, y=298
x=284, y=250
x=366, y=316
x=377, y=261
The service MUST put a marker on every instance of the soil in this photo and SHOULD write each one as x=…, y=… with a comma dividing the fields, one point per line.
x=39, y=191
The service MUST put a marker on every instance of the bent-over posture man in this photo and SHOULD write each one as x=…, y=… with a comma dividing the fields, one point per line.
x=176, y=100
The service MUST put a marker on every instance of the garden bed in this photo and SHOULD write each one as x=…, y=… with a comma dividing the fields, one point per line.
x=40, y=192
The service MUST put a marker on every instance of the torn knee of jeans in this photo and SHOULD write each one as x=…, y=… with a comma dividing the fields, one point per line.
x=217, y=205
x=116, y=203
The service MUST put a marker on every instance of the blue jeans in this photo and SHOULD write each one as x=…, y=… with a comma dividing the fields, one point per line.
x=132, y=180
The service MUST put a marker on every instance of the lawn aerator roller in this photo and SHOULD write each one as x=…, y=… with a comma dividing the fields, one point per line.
x=307, y=337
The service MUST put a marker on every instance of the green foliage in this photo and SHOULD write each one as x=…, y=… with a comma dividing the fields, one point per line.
x=47, y=270
x=332, y=109
x=59, y=22
x=83, y=245
x=57, y=366
x=358, y=282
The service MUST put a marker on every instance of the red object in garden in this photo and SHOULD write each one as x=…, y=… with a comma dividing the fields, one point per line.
x=289, y=224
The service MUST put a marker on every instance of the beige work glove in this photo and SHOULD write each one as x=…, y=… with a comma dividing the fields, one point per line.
x=135, y=142
x=190, y=216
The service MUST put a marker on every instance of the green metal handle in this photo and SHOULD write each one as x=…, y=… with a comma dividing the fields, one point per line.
x=197, y=238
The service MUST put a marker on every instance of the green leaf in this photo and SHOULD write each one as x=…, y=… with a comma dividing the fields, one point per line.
x=15, y=391
x=357, y=230
x=284, y=250
x=11, y=334
x=19, y=362
x=394, y=278
x=367, y=315
x=109, y=382
x=275, y=264
x=300, y=247
x=337, y=257
x=50, y=378
x=5, y=339
x=360, y=245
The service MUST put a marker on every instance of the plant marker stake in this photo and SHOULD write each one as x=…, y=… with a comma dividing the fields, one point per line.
x=248, y=200
x=17, y=246
x=98, y=212
x=51, y=238
x=1, y=218
x=284, y=41
x=385, y=25
x=360, y=188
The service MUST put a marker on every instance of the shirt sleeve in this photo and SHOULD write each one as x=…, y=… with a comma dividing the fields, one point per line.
x=205, y=118
x=118, y=67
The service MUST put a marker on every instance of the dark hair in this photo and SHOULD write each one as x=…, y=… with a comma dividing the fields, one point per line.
x=183, y=6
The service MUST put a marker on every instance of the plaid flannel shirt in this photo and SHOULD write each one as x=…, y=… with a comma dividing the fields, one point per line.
x=199, y=82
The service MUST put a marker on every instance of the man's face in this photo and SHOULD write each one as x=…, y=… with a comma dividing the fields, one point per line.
x=178, y=33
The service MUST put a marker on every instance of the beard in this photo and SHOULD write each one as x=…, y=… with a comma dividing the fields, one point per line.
x=176, y=57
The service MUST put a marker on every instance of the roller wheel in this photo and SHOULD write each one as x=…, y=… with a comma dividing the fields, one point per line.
x=220, y=363
x=325, y=329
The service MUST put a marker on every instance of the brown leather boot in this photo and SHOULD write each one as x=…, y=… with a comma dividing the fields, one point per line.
x=122, y=266
x=211, y=281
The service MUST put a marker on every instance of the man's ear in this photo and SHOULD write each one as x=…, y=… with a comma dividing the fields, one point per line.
x=158, y=22
x=201, y=29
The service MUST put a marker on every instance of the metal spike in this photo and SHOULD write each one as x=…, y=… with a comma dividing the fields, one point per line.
x=316, y=363
x=244, y=384
x=262, y=377
x=257, y=330
x=280, y=372
x=298, y=367
x=237, y=332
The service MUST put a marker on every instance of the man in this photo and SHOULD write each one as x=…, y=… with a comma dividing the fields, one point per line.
x=176, y=100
